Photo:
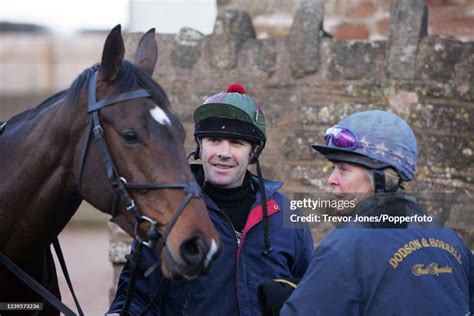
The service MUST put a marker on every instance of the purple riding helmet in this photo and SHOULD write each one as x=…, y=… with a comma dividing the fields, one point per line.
x=374, y=139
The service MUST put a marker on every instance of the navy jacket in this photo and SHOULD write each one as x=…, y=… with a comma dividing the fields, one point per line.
x=364, y=271
x=230, y=288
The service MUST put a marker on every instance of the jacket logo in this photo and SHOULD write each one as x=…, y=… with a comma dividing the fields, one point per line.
x=416, y=244
x=432, y=269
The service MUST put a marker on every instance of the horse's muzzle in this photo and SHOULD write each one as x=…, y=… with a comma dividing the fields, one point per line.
x=197, y=255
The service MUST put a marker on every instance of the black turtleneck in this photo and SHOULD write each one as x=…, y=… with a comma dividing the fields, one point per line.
x=234, y=202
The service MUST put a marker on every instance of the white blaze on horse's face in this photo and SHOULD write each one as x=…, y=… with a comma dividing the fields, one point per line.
x=160, y=116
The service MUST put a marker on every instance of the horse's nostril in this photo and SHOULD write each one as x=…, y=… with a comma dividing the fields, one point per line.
x=191, y=248
x=194, y=250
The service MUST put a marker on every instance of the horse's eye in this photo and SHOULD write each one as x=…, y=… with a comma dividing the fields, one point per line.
x=129, y=136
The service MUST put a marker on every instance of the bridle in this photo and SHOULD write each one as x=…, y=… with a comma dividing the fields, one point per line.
x=119, y=185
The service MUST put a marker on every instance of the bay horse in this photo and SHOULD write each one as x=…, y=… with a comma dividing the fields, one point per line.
x=109, y=139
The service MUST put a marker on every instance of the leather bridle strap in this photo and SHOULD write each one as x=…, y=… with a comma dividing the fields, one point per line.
x=126, y=96
x=62, y=262
x=192, y=190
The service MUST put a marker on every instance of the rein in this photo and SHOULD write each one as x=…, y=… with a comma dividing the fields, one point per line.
x=121, y=186
x=39, y=288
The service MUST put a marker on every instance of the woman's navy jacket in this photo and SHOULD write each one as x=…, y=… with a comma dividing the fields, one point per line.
x=367, y=271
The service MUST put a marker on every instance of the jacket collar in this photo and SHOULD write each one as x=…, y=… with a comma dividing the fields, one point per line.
x=271, y=186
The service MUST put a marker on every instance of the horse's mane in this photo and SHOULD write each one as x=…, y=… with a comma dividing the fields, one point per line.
x=28, y=114
x=130, y=77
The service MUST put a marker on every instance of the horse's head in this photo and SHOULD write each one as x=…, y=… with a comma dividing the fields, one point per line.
x=146, y=178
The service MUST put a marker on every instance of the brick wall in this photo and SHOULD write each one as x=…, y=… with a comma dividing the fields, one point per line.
x=357, y=19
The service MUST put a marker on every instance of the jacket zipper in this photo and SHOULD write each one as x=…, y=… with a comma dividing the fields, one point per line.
x=238, y=250
x=239, y=244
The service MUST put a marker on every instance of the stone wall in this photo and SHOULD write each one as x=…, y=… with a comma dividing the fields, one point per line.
x=307, y=82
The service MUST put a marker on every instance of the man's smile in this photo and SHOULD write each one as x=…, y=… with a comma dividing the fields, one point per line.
x=221, y=166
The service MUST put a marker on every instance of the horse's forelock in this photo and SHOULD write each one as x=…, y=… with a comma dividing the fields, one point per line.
x=130, y=78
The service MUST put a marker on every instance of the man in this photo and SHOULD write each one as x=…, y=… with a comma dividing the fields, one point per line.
x=424, y=269
x=230, y=135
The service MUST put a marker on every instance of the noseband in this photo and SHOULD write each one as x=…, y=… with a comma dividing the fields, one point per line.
x=120, y=186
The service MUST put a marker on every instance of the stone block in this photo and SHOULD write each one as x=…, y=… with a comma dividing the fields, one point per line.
x=187, y=50
x=442, y=118
x=448, y=157
x=231, y=29
x=181, y=101
x=267, y=56
x=437, y=58
x=316, y=119
x=352, y=60
x=297, y=146
x=304, y=39
x=314, y=175
x=119, y=244
x=409, y=20
x=461, y=218
x=464, y=69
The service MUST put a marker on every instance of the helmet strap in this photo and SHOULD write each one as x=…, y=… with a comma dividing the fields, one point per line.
x=196, y=153
x=395, y=187
x=379, y=182
x=254, y=154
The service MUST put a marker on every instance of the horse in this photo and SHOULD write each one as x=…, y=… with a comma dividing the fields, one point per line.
x=136, y=170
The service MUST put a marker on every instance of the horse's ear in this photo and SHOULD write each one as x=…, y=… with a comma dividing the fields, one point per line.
x=147, y=52
x=112, y=56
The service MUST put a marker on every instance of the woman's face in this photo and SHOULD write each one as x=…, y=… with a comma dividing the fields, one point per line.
x=350, y=181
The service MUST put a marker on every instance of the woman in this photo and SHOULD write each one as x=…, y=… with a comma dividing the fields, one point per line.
x=422, y=270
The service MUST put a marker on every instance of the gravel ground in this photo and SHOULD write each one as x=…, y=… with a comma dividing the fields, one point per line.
x=86, y=254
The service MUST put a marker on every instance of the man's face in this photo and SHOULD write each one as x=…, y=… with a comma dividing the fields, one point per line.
x=225, y=160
